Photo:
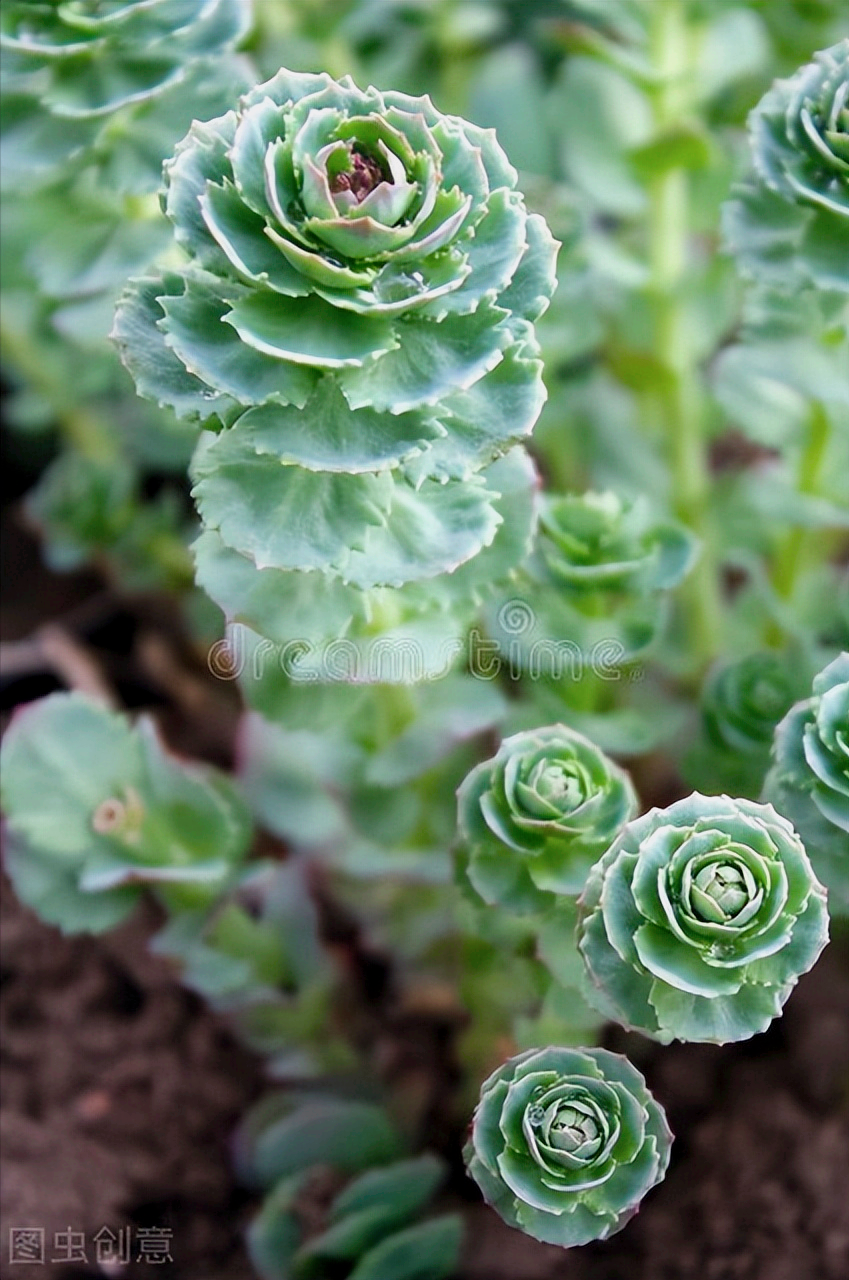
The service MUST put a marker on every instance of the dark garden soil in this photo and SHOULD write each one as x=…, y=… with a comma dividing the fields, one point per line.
x=120, y=1091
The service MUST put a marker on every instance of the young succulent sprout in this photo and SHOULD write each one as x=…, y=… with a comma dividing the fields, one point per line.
x=809, y=780
x=788, y=225
x=741, y=702
x=534, y=818
x=565, y=1143
x=601, y=542
x=698, y=921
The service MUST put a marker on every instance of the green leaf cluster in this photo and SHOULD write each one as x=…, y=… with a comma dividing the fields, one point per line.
x=741, y=702
x=534, y=818
x=697, y=922
x=108, y=83
x=599, y=575
x=370, y=1229
x=98, y=811
x=565, y=1143
x=358, y=313
x=809, y=780
x=790, y=223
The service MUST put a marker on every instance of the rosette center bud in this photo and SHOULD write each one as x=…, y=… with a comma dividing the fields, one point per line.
x=560, y=784
x=719, y=890
x=570, y=1130
x=364, y=174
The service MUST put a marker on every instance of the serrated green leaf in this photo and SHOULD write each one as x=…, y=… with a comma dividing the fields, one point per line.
x=158, y=373
x=346, y=440
x=431, y=361
x=283, y=516
x=308, y=331
x=194, y=329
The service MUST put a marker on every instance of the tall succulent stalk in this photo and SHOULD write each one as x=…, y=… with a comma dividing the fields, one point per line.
x=681, y=401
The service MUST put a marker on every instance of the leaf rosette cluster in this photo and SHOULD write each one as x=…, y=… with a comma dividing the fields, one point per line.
x=810, y=777
x=97, y=811
x=600, y=565
x=69, y=68
x=565, y=1143
x=741, y=703
x=534, y=818
x=697, y=922
x=790, y=224
x=601, y=542
x=357, y=310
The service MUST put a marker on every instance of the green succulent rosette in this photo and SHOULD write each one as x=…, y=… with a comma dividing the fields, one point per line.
x=699, y=919
x=116, y=81
x=357, y=310
x=602, y=542
x=741, y=703
x=97, y=811
x=366, y=253
x=599, y=567
x=565, y=1143
x=809, y=780
x=789, y=225
x=534, y=818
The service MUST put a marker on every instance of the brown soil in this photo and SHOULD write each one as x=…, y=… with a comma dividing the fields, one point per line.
x=120, y=1092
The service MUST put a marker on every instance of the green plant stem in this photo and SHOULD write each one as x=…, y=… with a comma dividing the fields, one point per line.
x=681, y=398
x=792, y=552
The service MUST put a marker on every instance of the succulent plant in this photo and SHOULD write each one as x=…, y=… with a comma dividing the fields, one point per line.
x=534, y=818
x=594, y=581
x=566, y=1142
x=97, y=811
x=742, y=701
x=602, y=542
x=697, y=922
x=377, y=275
x=809, y=780
x=788, y=225
x=371, y=1229
x=366, y=253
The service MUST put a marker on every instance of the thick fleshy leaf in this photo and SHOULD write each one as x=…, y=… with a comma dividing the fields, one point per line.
x=309, y=332
x=429, y=531
x=349, y=440
x=213, y=351
x=431, y=361
x=158, y=372
x=284, y=516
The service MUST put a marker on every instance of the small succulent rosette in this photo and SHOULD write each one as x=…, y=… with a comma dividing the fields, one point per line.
x=789, y=225
x=565, y=1143
x=534, y=818
x=595, y=583
x=358, y=309
x=697, y=922
x=741, y=703
x=69, y=69
x=809, y=780
x=97, y=811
